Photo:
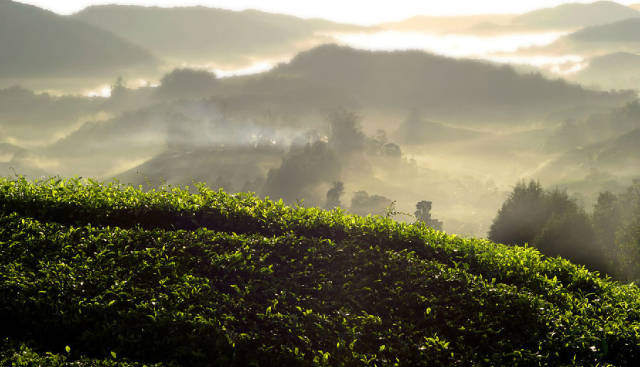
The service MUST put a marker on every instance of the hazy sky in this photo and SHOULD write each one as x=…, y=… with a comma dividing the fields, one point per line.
x=353, y=11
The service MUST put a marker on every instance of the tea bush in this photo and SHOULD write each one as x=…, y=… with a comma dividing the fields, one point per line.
x=110, y=275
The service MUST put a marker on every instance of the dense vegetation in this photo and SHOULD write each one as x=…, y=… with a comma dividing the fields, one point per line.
x=549, y=221
x=111, y=275
x=606, y=240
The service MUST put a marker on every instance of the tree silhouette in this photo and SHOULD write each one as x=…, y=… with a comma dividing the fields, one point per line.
x=423, y=214
x=551, y=221
x=334, y=194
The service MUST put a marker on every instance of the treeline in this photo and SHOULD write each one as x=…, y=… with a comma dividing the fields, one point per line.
x=607, y=240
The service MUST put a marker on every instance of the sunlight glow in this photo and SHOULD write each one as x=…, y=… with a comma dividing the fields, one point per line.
x=104, y=91
x=453, y=45
x=561, y=65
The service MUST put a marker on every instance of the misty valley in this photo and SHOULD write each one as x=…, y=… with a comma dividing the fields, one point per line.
x=235, y=140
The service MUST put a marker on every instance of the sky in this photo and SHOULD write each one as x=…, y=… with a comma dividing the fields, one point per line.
x=364, y=12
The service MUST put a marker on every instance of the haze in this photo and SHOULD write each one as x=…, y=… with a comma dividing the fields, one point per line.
x=342, y=11
x=323, y=104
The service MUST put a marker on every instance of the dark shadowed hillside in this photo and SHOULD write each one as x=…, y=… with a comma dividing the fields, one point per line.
x=412, y=79
x=203, y=34
x=36, y=42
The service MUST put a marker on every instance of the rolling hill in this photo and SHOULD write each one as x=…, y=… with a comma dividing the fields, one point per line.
x=232, y=168
x=611, y=71
x=36, y=42
x=563, y=17
x=618, y=157
x=627, y=30
x=599, y=40
x=413, y=79
x=39, y=117
x=417, y=130
x=576, y=15
x=114, y=276
x=206, y=34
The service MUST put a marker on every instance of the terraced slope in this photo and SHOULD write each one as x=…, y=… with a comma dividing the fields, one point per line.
x=94, y=274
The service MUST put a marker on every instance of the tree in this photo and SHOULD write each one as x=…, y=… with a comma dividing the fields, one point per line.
x=423, y=215
x=346, y=135
x=550, y=221
x=364, y=204
x=334, y=194
x=302, y=172
x=606, y=218
x=187, y=83
x=522, y=215
x=617, y=223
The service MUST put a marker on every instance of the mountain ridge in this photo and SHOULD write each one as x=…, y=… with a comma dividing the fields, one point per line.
x=54, y=44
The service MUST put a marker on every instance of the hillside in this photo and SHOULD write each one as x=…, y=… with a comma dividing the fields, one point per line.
x=623, y=31
x=416, y=130
x=611, y=71
x=413, y=79
x=40, y=117
x=36, y=42
x=576, y=15
x=614, y=62
x=617, y=156
x=107, y=273
x=203, y=34
x=231, y=167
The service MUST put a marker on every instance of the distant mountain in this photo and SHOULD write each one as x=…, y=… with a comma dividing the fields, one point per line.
x=31, y=117
x=627, y=30
x=611, y=71
x=566, y=16
x=448, y=24
x=203, y=33
x=621, y=36
x=577, y=15
x=36, y=42
x=618, y=157
x=612, y=61
x=413, y=79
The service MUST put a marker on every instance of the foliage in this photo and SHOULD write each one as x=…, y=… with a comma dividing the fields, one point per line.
x=423, y=214
x=334, y=194
x=362, y=203
x=183, y=83
x=549, y=221
x=95, y=274
x=302, y=170
x=617, y=224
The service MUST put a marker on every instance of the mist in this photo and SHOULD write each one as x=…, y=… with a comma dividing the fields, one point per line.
x=370, y=119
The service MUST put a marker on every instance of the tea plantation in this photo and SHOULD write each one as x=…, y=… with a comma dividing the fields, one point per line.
x=98, y=274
